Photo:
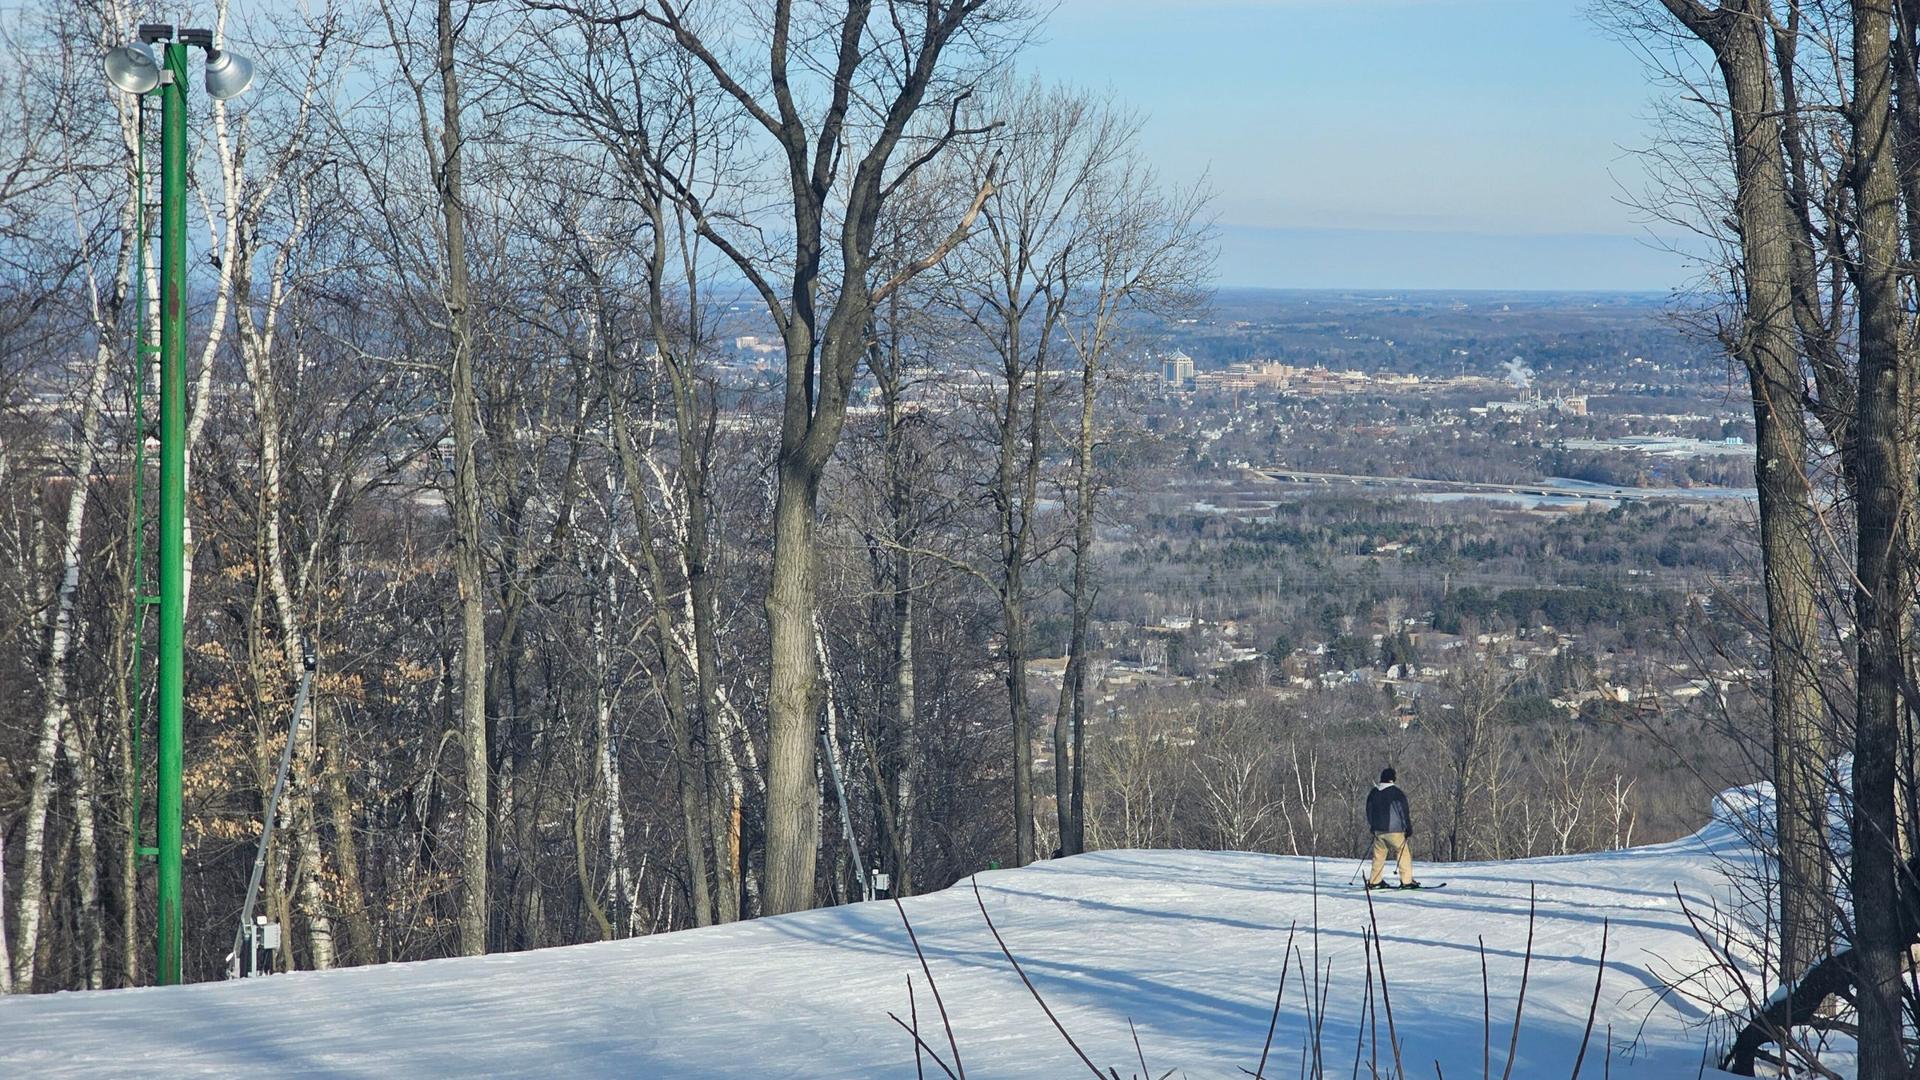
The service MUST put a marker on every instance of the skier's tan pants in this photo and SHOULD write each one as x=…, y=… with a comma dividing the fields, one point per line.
x=1396, y=844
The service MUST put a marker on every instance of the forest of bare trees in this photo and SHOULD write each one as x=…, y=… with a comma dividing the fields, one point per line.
x=589, y=597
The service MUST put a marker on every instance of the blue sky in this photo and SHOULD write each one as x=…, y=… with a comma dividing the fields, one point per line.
x=1387, y=143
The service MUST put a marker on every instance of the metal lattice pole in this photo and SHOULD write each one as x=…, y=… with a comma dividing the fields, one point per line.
x=846, y=817
x=243, y=936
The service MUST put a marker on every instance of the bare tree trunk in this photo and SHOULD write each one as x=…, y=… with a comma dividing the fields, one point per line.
x=892, y=753
x=59, y=865
x=1481, y=689
x=57, y=712
x=346, y=857
x=1461, y=779
x=901, y=747
x=1800, y=747
x=1069, y=715
x=310, y=871
x=1019, y=482
x=86, y=857
x=1077, y=836
x=1016, y=492
x=468, y=567
x=1883, y=445
x=200, y=411
x=623, y=882
x=6, y=951
x=1062, y=760
x=708, y=724
x=32, y=863
x=257, y=338
x=793, y=791
x=822, y=355
x=904, y=746
x=283, y=872
x=620, y=879
x=125, y=708
x=689, y=771
x=695, y=441
x=1767, y=344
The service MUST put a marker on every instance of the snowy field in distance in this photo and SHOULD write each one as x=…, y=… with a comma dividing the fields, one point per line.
x=1188, y=945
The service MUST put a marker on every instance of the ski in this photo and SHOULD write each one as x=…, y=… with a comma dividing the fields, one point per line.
x=1405, y=888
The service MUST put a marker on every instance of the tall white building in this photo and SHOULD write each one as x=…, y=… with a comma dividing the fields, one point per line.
x=1177, y=369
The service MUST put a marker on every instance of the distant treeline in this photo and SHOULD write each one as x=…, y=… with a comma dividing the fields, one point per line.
x=1556, y=607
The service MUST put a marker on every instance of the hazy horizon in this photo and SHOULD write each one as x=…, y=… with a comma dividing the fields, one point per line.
x=1435, y=144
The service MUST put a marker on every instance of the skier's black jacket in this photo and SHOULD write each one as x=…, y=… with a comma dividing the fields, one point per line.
x=1387, y=809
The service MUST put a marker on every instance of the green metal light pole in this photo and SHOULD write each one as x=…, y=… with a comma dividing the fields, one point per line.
x=173, y=498
x=134, y=69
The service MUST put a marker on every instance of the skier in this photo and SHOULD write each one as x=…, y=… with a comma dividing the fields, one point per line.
x=1391, y=820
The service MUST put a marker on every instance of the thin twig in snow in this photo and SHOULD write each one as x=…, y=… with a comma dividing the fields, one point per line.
x=952, y=1043
x=1018, y=970
x=1372, y=1020
x=922, y=1044
x=1274, y=1021
x=1486, y=1015
x=1526, y=966
x=1386, y=995
x=1594, y=1006
x=913, y=1010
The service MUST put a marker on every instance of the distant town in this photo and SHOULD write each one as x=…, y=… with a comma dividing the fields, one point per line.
x=1353, y=506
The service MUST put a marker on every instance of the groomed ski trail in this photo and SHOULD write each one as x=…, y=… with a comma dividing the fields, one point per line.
x=1187, y=945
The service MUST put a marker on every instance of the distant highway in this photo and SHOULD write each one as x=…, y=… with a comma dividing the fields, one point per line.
x=1561, y=489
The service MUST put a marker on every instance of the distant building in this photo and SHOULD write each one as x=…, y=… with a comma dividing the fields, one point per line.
x=1529, y=402
x=1177, y=369
x=751, y=343
x=1231, y=379
x=1266, y=373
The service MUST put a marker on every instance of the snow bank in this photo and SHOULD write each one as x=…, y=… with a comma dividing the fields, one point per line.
x=1187, y=945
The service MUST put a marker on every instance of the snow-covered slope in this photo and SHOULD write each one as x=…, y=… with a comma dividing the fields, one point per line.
x=1187, y=945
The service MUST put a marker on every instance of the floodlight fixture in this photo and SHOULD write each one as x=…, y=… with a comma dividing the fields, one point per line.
x=228, y=74
x=132, y=68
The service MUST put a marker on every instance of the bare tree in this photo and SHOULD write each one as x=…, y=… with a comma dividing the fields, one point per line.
x=444, y=146
x=1818, y=190
x=638, y=101
x=1467, y=724
x=902, y=519
x=1148, y=254
x=1883, y=441
x=875, y=66
x=1013, y=283
x=1234, y=776
x=1766, y=339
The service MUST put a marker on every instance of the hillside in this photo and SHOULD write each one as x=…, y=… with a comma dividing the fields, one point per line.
x=1187, y=945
